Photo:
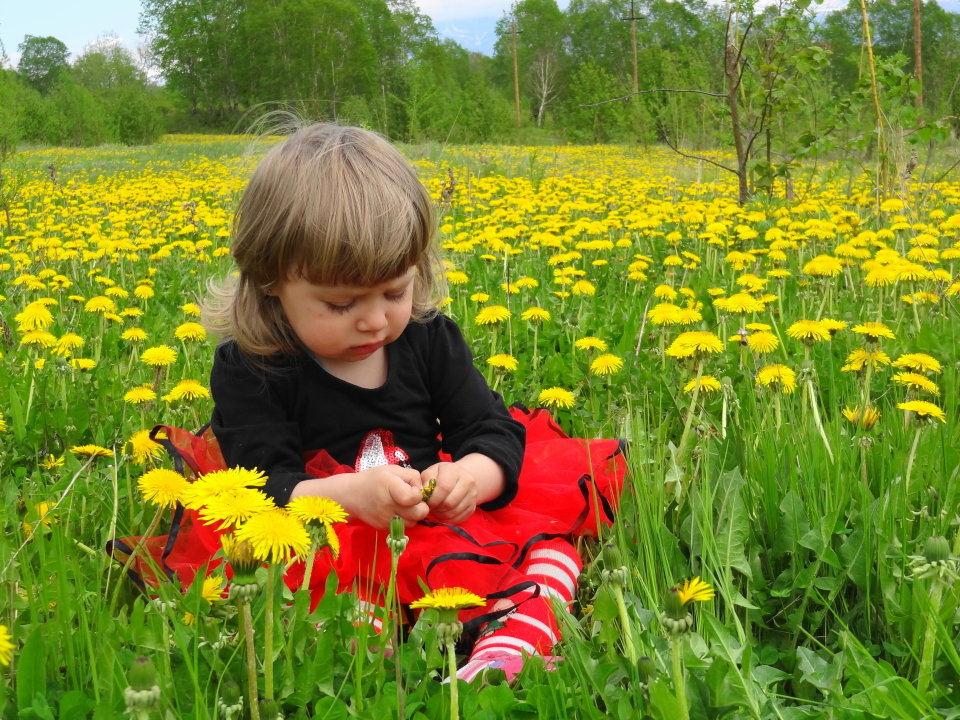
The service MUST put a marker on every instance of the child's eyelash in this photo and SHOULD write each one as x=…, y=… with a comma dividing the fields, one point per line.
x=340, y=309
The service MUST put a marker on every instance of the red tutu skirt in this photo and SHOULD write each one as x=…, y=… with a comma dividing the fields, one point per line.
x=567, y=487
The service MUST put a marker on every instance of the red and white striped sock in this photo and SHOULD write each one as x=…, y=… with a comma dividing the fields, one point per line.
x=532, y=628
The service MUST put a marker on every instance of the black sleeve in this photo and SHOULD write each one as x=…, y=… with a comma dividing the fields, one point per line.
x=473, y=418
x=252, y=420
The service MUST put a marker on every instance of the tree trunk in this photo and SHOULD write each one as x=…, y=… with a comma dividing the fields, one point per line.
x=731, y=70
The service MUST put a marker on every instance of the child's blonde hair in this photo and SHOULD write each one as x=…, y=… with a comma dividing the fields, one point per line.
x=335, y=205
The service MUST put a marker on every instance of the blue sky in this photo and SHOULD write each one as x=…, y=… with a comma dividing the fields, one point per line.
x=78, y=23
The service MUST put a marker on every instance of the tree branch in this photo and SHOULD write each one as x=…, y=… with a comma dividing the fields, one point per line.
x=666, y=139
x=653, y=90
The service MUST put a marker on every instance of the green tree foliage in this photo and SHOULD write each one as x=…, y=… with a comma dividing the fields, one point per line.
x=586, y=121
x=42, y=61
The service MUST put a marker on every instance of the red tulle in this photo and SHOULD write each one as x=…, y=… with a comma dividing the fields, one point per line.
x=567, y=487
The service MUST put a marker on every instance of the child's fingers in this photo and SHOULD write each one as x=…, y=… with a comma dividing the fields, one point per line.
x=403, y=493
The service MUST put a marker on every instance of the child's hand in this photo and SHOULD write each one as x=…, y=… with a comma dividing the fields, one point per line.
x=385, y=491
x=454, y=498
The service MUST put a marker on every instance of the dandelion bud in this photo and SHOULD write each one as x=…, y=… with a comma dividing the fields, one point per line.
x=448, y=632
x=143, y=692
x=646, y=670
x=673, y=605
x=230, y=702
x=269, y=709
x=936, y=549
x=611, y=556
x=244, y=592
x=398, y=536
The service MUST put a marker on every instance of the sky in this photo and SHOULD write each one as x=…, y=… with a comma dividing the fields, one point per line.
x=77, y=23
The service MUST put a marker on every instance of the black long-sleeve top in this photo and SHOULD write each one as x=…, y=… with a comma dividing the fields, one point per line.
x=268, y=418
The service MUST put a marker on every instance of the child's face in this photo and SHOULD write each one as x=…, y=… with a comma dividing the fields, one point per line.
x=343, y=323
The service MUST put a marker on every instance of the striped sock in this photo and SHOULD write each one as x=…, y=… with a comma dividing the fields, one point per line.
x=532, y=628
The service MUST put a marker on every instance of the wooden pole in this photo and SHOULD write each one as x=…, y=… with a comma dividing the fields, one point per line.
x=516, y=70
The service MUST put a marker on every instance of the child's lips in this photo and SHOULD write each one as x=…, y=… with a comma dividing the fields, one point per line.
x=366, y=349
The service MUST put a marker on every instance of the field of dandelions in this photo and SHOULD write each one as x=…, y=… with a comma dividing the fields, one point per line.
x=784, y=375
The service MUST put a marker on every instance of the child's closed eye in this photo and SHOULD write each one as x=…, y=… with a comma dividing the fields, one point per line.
x=340, y=309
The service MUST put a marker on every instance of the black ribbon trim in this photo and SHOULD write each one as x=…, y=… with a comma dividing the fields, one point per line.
x=473, y=625
x=112, y=547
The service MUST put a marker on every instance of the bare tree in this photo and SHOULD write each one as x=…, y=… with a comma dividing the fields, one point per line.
x=543, y=83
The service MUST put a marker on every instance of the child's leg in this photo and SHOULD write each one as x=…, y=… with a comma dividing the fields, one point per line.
x=532, y=628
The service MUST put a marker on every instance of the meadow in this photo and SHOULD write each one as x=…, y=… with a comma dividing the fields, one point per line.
x=784, y=375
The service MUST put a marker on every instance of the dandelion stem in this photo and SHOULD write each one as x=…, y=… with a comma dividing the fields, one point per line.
x=269, y=607
x=685, y=437
x=929, y=639
x=625, y=625
x=679, y=685
x=454, y=681
x=246, y=622
x=151, y=528
x=910, y=459
x=812, y=397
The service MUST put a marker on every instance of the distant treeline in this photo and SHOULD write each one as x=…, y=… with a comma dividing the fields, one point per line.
x=381, y=64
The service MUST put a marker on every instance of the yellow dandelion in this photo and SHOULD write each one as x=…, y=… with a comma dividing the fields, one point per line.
x=100, y=304
x=40, y=338
x=212, y=590
x=535, y=314
x=191, y=309
x=35, y=316
x=91, y=450
x=133, y=335
x=317, y=509
x=859, y=359
x=143, y=292
x=67, y=344
x=762, y=342
x=234, y=507
x=492, y=314
x=590, y=343
x=916, y=381
x=865, y=419
x=503, y=361
x=159, y=356
x=918, y=362
x=924, y=410
x=143, y=447
x=139, y=395
x=187, y=390
x=740, y=303
x=162, y=487
x=707, y=384
x=809, y=331
x=664, y=314
x=83, y=363
x=213, y=484
x=833, y=326
x=556, y=397
x=695, y=590
x=777, y=377
x=190, y=331
x=874, y=331
x=52, y=462
x=606, y=364
x=448, y=598
x=457, y=277
x=694, y=342
x=6, y=646
x=275, y=535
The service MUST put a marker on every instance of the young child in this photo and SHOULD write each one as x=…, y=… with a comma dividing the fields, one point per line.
x=339, y=378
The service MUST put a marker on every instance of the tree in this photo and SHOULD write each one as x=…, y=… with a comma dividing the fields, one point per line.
x=583, y=119
x=42, y=61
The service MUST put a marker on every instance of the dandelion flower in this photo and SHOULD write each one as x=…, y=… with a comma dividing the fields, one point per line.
x=133, y=335
x=663, y=314
x=777, y=377
x=6, y=646
x=208, y=487
x=858, y=360
x=590, y=343
x=695, y=590
x=740, y=303
x=874, y=331
x=694, y=342
x=100, y=304
x=139, y=395
x=67, y=344
x=925, y=410
x=232, y=508
x=34, y=316
x=187, y=390
x=52, y=462
x=143, y=292
x=809, y=331
x=191, y=309
x=535, y=314
x=492, y=314
x=190, y=331
x=916, y=381
x=40, y=338
x=556, y=397
x=448, y=598
x=143, y=447
x=762, y=342
x=159, y=356
x=918, y=362
x=162, y=487
x=275, y=536
x=317, y=509
x=707, y=384
x=212, y=590
x=865, y=419
x=503, y=361
x=91, y=450
x=606, y=364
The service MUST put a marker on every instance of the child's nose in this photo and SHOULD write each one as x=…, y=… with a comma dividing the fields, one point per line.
x=373, y=318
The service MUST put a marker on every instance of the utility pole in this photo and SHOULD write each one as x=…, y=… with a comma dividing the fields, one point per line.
x=633, y=41
x=516, y=71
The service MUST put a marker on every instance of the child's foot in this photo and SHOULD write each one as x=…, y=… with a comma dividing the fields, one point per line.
x=510, y=664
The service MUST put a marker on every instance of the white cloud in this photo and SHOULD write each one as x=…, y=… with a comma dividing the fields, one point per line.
x=444, y=10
